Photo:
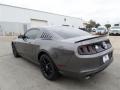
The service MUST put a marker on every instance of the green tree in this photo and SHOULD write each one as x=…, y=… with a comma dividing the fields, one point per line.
x=89, y=25
x=97, y=25
x=107, y=26
x=92, y=23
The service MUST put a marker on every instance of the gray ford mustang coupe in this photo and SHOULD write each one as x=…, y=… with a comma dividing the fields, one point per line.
x=64, y=50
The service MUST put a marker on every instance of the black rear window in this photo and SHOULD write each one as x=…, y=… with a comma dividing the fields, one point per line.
x=69, y=32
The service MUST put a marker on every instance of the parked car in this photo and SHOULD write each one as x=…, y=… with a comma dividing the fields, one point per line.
x=64, y=50
x=114, y=30
x=101, y=31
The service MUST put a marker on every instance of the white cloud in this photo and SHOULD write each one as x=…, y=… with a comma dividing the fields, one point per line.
x=100, y=10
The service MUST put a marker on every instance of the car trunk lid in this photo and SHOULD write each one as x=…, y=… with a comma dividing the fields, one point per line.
x=81, y=38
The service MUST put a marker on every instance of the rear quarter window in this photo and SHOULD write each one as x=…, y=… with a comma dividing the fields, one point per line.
x=70, y=33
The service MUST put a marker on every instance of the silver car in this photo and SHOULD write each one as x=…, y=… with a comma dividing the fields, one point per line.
x=101, y=31
x=64, y=51
x=115, y=30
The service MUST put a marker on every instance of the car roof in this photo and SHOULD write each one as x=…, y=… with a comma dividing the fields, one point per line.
x=55, y=28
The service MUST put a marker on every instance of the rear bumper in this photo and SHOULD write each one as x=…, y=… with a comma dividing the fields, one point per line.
x=96, y=70
x=85, y=73
x=78, y=67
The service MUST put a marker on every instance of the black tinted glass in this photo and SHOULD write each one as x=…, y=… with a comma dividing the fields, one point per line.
x=70, y=32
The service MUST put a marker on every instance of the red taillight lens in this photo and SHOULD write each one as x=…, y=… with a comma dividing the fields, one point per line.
x=86, y=49
x=94, y=47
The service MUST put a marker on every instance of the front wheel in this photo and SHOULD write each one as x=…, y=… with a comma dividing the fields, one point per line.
x=48, y=68
x=15, y=53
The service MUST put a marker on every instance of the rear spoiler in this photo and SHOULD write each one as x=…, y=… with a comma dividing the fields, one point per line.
x=90, y=38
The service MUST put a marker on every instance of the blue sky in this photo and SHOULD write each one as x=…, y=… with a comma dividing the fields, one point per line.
x=103, y=11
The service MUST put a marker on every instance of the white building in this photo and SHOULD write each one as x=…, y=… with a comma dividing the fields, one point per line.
x=15, y=20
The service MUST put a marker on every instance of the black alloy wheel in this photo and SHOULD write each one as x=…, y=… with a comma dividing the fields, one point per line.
x=48, y=68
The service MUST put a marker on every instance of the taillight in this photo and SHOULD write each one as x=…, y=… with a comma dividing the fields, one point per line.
x=94, y=47
x=86, y=49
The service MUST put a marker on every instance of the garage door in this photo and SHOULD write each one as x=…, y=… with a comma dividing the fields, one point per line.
x=38, y=23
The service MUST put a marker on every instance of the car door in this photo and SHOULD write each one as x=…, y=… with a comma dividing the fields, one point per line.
x=30, y=46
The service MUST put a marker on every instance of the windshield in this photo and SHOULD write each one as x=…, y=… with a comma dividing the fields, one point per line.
x=69, y=32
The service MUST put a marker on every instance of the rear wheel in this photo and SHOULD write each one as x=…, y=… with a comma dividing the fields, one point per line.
x=48, y=68
x=15, y=53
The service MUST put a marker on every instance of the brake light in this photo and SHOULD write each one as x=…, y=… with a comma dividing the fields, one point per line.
x=94, y=47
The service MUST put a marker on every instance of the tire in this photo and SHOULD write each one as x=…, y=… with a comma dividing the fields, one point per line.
x=48, y=68
x=15, y=53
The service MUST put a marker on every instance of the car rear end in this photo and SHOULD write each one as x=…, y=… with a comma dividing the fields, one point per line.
x=91, y=56
x=114, y=31
x=101, y=31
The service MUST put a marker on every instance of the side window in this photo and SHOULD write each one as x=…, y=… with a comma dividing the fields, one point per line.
x=32, y=34
x=46, y=35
